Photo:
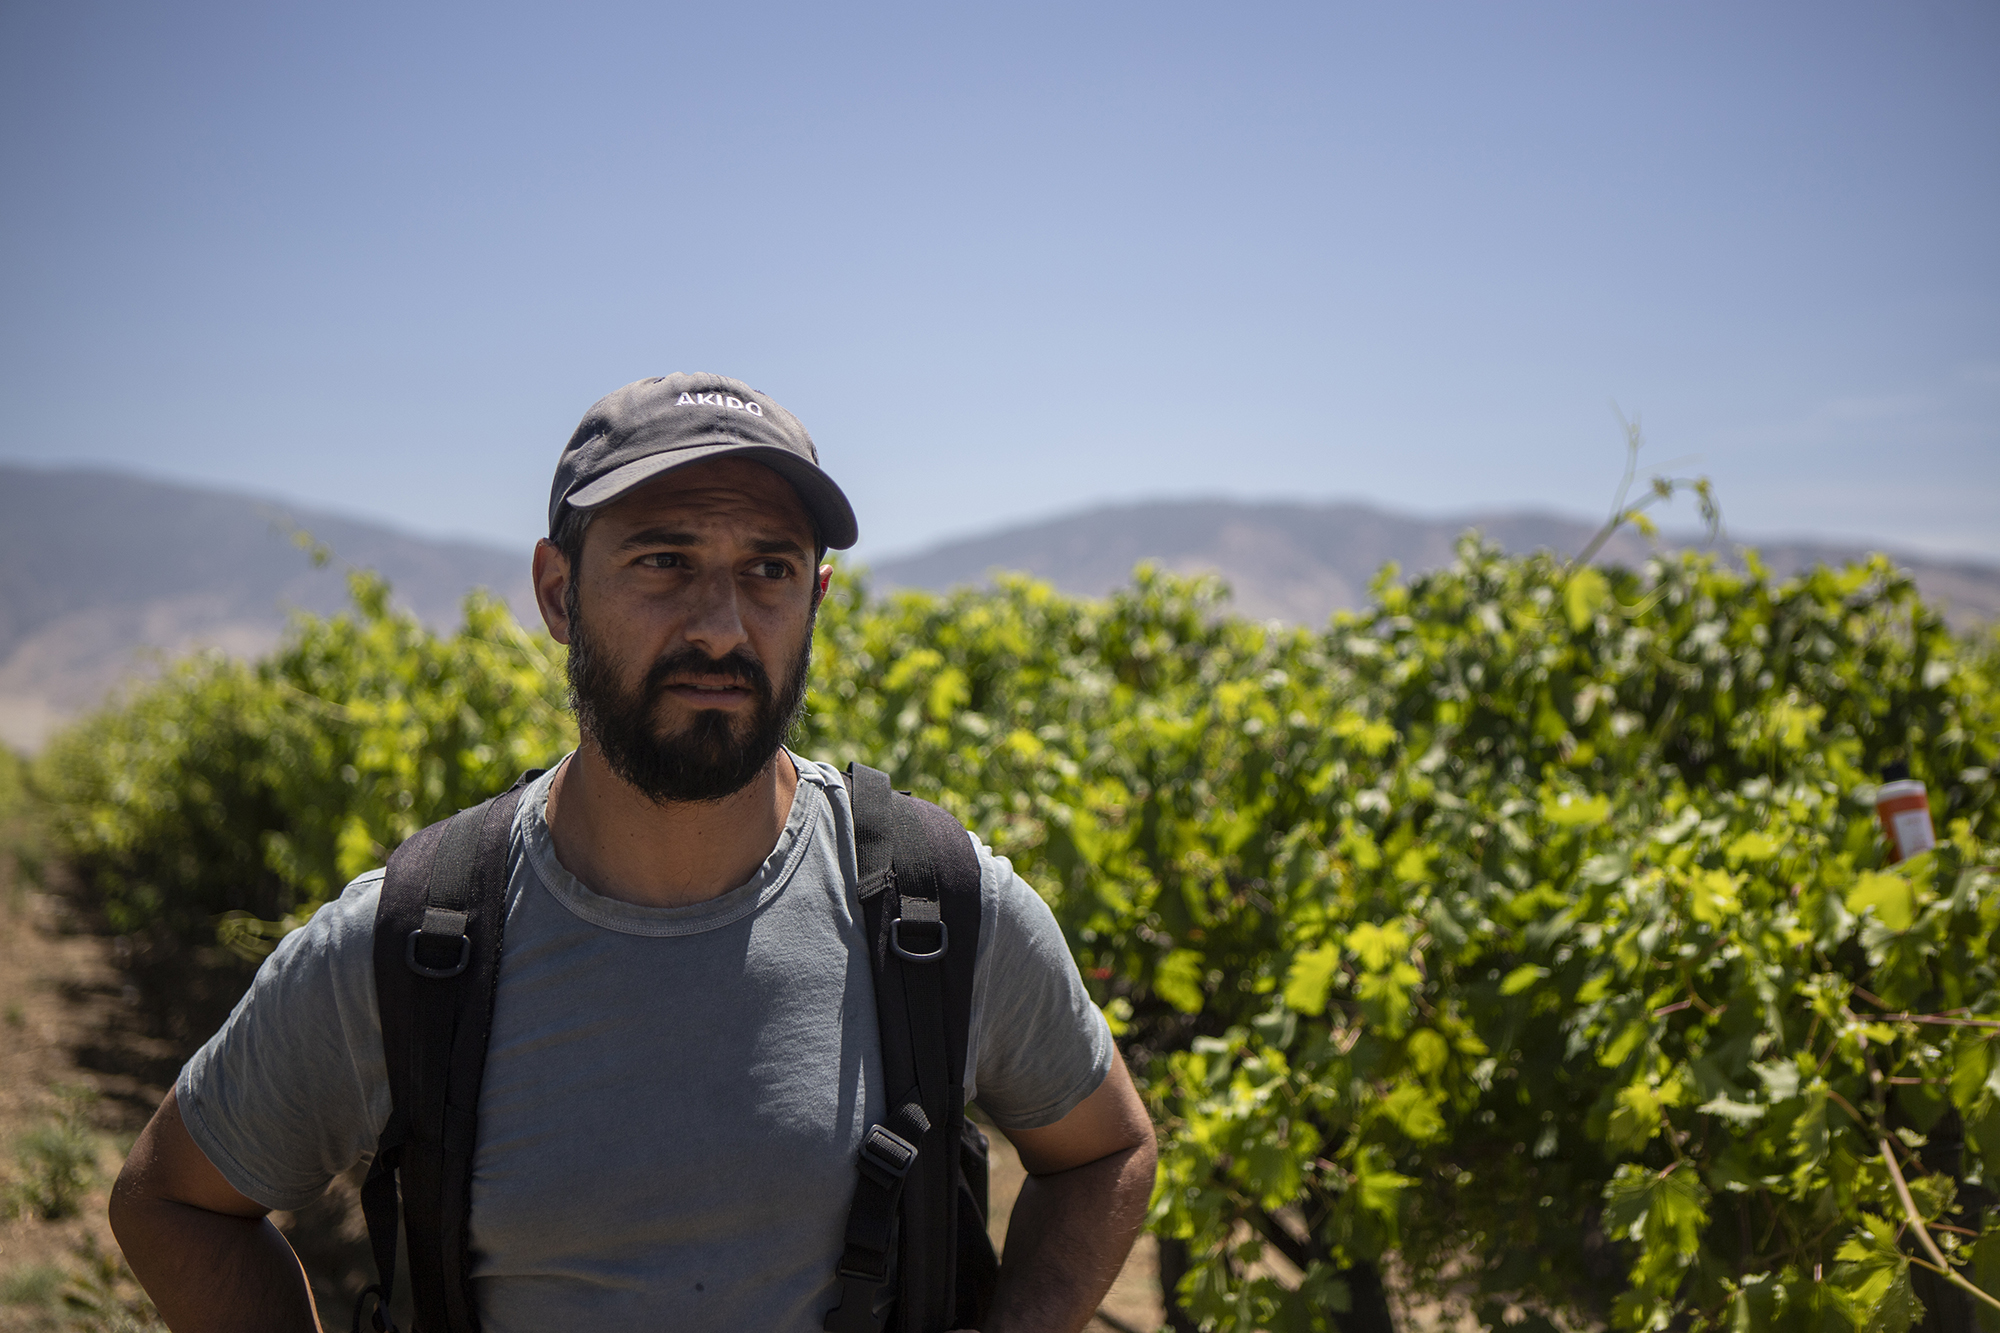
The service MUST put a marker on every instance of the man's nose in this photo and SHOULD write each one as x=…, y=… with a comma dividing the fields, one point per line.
x=715, y=620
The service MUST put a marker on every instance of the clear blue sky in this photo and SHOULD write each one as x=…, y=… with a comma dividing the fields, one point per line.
x=1006, y=260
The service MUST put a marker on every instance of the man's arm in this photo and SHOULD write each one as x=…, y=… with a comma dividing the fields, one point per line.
x=208, y=1256
x=1090, y=1177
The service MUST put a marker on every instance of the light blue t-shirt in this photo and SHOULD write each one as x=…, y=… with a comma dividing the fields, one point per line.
x=674, y=1096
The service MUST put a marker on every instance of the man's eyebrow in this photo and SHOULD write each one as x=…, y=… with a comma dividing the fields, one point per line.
x=659, y=537
x=654, y=537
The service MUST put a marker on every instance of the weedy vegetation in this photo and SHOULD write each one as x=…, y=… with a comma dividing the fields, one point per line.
x=55, y=1163
x=96, y=1294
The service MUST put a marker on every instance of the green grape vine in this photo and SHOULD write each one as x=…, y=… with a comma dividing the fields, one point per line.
x=1522, y=944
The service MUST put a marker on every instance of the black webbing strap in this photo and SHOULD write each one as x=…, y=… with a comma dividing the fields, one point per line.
x=437, y=959
x=919, y=943
x=378, y=1210
x=866, y=1295
x=918, y=878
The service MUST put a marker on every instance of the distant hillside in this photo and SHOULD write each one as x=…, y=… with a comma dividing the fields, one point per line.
x=102, y=575
x=1302, y=562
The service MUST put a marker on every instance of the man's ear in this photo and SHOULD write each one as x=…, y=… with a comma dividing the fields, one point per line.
x=552, y=575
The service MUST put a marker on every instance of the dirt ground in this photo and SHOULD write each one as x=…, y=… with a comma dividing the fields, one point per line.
x=71, y=1047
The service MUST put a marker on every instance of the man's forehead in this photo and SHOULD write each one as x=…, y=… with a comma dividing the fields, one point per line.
x=720, y=490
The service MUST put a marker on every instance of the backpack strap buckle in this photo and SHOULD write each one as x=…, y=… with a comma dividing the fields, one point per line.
x=887, y=1156
x=885, y=1160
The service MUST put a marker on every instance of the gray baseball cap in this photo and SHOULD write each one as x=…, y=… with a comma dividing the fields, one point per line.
x=635, y=434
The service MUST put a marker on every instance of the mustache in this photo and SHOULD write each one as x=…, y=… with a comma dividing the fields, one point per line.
x=737, y=666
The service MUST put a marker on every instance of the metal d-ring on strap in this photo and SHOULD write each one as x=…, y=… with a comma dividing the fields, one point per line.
x=902, y=951
x=922, y=913
x=441, y=926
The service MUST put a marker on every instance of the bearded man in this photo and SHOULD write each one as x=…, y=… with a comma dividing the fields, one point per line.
x=683, y=1060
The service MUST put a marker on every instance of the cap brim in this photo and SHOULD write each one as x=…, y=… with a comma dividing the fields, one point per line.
x=831, y=514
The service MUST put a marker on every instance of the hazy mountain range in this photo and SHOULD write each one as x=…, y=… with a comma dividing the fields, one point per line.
x=1302, y=562
x=105, y=575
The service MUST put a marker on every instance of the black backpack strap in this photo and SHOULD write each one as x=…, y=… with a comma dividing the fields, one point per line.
x=437, y=959
x=919, y=890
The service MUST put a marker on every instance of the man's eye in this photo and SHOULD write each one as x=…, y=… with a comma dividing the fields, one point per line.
x=662, y=559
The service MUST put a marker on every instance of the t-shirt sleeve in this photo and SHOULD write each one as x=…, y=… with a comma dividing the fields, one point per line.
x=293, y=1089
x=1038, y=1046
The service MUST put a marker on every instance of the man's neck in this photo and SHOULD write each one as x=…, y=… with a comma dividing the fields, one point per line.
x=622, y=845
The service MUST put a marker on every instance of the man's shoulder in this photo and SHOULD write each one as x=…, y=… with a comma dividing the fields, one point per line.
x=340, y=933
x=833, y=780
x=818, y=772
x=358, y=899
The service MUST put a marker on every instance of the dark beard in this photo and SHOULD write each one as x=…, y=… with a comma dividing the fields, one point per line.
x=705, y=760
